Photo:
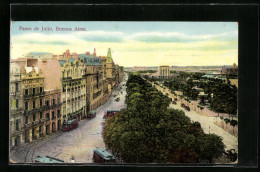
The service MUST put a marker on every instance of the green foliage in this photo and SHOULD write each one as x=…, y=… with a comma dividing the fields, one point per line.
x=147, y=131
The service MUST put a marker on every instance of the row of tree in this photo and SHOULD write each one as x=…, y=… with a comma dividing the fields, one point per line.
x=221, y=95
x=147, y=131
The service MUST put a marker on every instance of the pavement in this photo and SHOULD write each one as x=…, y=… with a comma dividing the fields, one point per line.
x=78, y=143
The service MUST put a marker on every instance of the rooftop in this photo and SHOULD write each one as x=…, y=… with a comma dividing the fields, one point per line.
x=62, y=62
x=47, y=159
x=90, y=60
x=106, y=155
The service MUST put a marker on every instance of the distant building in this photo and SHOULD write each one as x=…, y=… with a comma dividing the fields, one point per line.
x=164, y=72
x=230, y=71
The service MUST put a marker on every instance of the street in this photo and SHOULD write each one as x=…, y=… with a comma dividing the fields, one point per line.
x=77, y=144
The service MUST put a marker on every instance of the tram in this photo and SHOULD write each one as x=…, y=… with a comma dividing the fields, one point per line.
x=70, y=125
x=110, y=112
x=92, y=114
x=47, y=159
x=102, y=156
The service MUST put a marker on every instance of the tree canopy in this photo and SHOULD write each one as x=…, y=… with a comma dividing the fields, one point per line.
x=148, y=131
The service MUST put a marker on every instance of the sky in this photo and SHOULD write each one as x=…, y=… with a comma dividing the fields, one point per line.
x=133, y=43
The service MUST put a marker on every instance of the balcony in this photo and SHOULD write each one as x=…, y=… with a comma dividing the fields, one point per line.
x=35, y=123
x=41, y=120
x=28, y=125
x=34, y=95
x=47, y=122
x=66, y=78
x=16, y=111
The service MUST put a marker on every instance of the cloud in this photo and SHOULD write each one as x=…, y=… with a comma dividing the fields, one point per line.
x=42, y=39
x=119, y=37
x=154, y=37
x=101, y=36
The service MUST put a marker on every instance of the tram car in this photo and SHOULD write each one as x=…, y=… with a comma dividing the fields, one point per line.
x=70, y=125
x=110, y=112
x=47, y=159
x=91, y=114
x=102, y=156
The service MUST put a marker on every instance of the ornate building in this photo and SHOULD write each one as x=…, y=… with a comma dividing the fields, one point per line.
x=33, y=93
x=16, y=108
x=73, y=91
x=93, y=74
x=110, y=71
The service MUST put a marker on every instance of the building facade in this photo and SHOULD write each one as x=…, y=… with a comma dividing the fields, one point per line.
x=164, y=72
x=73, y=93
x=93, y=75
x=16, y=108
x=52, y=112
x=33, y=93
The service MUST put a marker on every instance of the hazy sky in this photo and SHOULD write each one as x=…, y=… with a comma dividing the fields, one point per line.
x=134, y=43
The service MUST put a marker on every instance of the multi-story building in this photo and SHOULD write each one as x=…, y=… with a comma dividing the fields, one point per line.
x=73, y=93
x=52, y=111
x=33, y=93
x=16, y=109
x=94, y=79
x=52, y=100
x=164, y=72
x=106, y=92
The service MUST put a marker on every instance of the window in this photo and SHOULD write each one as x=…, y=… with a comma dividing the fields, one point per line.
x=33, y=91
x=40, y=89
x=64, y=89
x=33, y=104
x=58, y=112
x=26, y=119
x=47, y=102
x=58, y=100
x=26, y=92
x=53, y=101
x=40, y=115
x=26, y=105
x=17, y=103
x=52, y=114
x=47, y=116
x=34, y=116
x=40, y=102
x=16, y=87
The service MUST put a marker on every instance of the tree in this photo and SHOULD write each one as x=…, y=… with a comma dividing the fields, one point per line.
x=226, y=121
x=210, y=146
x=233, y=123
